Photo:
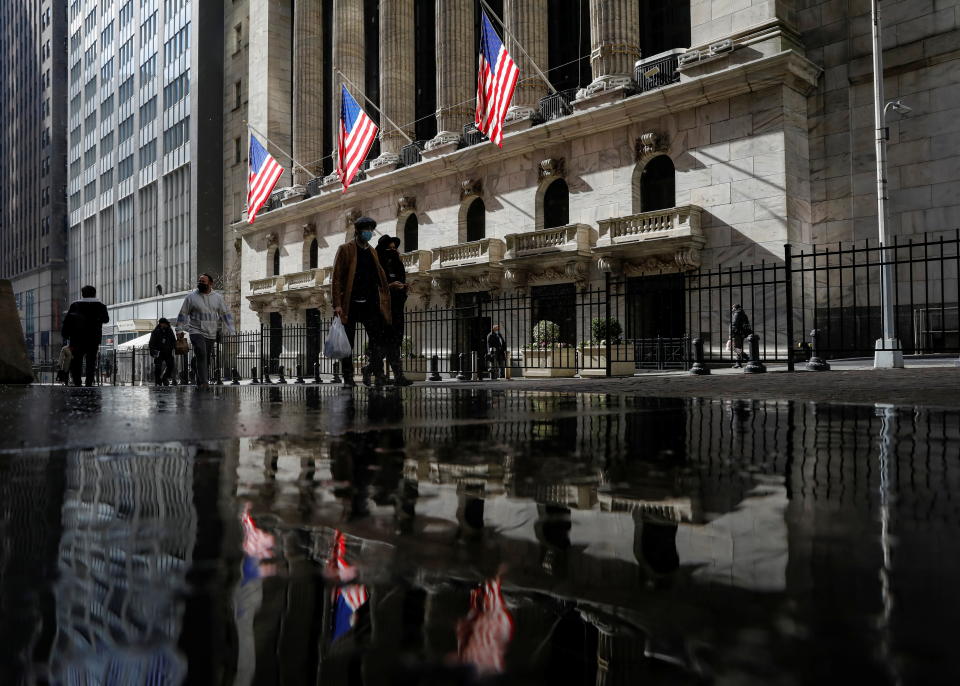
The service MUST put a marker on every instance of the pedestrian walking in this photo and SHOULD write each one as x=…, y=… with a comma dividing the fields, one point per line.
x=63, y=364
x=497, y=353
x=393, y=267
x=202, y=316
x=739, y=329
x=163, y=342
x=359, y=293
x=83, y=327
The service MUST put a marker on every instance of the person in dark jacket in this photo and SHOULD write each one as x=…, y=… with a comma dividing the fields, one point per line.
x=739, y=329
x=387, y=251
x=163, y=342
x=83, y=327
x=496, y=352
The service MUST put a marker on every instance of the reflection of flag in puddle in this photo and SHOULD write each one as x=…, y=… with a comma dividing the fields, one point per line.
x=484, y=634
x=257, y=546
x=347, y=599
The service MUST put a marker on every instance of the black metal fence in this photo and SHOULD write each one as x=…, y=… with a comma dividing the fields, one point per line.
x=625, y=325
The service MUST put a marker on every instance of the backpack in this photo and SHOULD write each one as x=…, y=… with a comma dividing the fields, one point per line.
x=74, y=326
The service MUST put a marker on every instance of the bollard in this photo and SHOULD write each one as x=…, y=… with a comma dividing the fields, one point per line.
x=475, y=376
x=336, y=372
x=435, y=369
x=235, y=375
x=754, y=366
x=217, y=377
x=461, y=374
x=300, y=374
x=698, y=368
x=316, y=373
x=816, y=363
x=282, y=378
x=253, y=376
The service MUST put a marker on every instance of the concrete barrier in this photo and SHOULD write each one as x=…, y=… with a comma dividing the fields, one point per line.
x=14, y=365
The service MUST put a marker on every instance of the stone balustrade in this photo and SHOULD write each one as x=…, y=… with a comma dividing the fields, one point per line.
x=306, y=279
x=271, y=284
x=482, y=252
x=675, y=222
x=570, y=238
x=416, y=261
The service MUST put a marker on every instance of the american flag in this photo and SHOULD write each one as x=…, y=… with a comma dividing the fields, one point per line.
x=496, y=79
x=484, y=634
x=264, y=174
x=347, y=599
x=357, y=133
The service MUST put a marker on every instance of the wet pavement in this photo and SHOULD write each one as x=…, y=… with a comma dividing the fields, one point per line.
x=462, y=535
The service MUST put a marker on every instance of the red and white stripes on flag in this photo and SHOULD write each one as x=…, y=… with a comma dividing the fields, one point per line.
x=264, y=174
x=496, y=80
x=484, y=634
x=357, y=133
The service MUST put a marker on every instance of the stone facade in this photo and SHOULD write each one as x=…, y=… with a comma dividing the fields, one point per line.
x=768, y=129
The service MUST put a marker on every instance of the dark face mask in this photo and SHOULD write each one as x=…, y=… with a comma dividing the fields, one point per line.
x=202, y=287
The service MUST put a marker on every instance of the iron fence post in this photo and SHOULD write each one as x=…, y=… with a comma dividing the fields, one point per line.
x=606, y=307
x=435, y=368
x=788, y=304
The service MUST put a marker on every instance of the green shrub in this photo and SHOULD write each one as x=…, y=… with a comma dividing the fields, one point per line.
x=602, y=329
x=546, y=334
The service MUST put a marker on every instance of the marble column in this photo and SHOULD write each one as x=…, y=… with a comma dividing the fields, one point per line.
x=397, y=83
x=308, y=88
x=348, y=57
x=526, y=21
x=614, y=43
x=456, y=71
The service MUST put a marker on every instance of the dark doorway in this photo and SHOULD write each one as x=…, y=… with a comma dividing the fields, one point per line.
x=557, y=304
x=411, y=230
x=664, y=25
x=314, y=260
x=472, y=327
x=276, y=262
x=556, y=205
x=276, y=341
x=314, y=339
x=655, y=306
x=657, y=184
x=476, y=220
x=568, y=27
x=425, y=61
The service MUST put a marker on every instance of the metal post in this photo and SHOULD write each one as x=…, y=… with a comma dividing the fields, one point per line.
x=235, y=375
x=435, y=369
x=607, y=341
x=698, y=368
x=300, y=378
x=788, y=304
x=474, y=367
x=133, y=366
x=282, y=378
x=253, y=376
x=888, y=352
x=816, y=363
x=316, y=373
x=754, y=366
x=461, y=375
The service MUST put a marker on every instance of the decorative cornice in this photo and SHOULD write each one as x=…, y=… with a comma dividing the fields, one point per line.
x=787, y=68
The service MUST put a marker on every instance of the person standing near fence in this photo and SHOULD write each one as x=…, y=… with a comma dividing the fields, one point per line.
x=162, y=344
x=202, y=315
x=397, y=283
x=739, y=329
x=359, y=293
x=497, y=353
x=83, y=326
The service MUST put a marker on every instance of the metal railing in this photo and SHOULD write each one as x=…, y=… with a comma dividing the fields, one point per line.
x=557, y=105
x=657, y=72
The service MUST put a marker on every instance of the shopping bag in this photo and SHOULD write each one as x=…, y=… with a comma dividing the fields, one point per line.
x=182, y=346
x=337, y=346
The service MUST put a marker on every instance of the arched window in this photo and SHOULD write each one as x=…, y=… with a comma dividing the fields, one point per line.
x=476, y=220
x=657, y=184
x=276, y=262
x=411, y=228
x=313, y=254
x=556, y=205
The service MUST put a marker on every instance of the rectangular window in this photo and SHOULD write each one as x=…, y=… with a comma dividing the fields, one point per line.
x=75, y=41
x=237, y=95
x=126, y=90
x=106, y=181
x=148, y=111
x=106, y=144
x=125, y=168
x=176, y=135
x=176, y=90
x=106, y=108
x=90, y=157
x=148, y=70
x=90, y=89
x=90, y=191
x=126, y=129
x=106, y=71
x=75, y=72
x=90, y=123
x=237, y=150
x=90, y=56
x=148, y=29
x=126, y=51
x=126, y=13
x=237, y=38
x=106, y=36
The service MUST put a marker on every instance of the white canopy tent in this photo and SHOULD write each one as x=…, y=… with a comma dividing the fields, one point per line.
x=138, y=342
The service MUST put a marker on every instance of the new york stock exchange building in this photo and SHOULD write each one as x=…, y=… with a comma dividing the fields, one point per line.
x=675, y=139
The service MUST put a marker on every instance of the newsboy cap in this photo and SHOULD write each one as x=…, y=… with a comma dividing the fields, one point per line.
x=364, y=223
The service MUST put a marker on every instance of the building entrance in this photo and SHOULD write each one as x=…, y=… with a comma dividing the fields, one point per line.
x=655, y=320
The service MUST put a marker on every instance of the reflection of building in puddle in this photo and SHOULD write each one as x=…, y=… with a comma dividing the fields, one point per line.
x=129, y=527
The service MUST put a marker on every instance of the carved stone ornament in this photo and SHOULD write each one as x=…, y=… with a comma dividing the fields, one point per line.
x=554, y=166
x=272, y=239
x=484, y=281
x=238, y=245
x=470, y=187
x=516, y=277
x=406, y=203
x=309, y=231
x=654, y=264
x=352, y=216
x=444, y=290
x=650, y=143
x=611, y=265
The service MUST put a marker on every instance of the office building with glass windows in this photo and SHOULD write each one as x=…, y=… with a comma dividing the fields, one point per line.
x=32, y=198
x=141, y=134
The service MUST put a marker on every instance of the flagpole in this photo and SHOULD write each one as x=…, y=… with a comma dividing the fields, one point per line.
x=371, y=103
x=293, y=162
x=503, y=26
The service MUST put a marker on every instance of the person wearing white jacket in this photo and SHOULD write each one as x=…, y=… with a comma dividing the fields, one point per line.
x=202, y=315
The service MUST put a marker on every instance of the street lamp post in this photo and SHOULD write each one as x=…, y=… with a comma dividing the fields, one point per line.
x=887, y=351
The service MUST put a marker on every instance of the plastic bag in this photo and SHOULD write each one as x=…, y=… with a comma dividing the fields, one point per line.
x=337, y=346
